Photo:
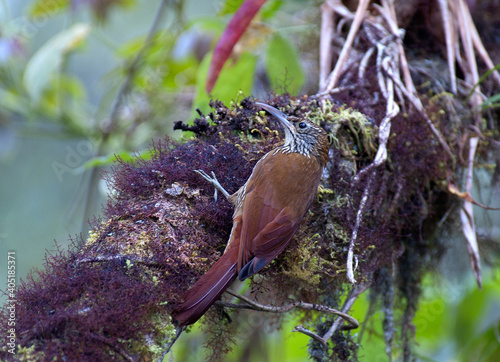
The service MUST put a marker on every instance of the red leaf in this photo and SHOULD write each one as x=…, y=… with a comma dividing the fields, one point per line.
x=233, y=32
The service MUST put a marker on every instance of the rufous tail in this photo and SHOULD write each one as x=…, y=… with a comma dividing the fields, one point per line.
x=208, y=288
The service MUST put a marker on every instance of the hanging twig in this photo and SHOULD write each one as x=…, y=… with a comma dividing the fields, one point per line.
x=384, y=63
x=471, y=73
x=476, y=40
x=449, y=32
x=339, y=66
x=388, y=12
x=467, y=216
x=380, y=157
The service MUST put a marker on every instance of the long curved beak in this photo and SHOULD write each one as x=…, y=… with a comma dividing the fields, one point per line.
x=282, y=117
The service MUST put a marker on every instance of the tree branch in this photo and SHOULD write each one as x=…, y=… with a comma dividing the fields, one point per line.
x=251, y=304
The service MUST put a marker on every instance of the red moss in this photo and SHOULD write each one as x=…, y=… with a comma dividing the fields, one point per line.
x=153, y=243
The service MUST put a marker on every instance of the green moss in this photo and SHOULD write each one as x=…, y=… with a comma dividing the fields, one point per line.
x=306, y=263
x=29, y=354
x=165, y=332
x=351, y=132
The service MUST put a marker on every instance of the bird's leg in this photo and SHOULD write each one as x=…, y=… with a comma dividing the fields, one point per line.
x=213, y=180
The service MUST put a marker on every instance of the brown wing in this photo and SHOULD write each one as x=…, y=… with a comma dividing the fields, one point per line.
x=276, y=200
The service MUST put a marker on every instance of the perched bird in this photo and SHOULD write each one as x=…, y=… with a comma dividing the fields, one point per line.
x=268, y=209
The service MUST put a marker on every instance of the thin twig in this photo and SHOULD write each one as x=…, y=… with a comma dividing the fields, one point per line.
x=335, y=90
x=325, y=52
x=471, y=73
x=354, y=236
x=467, y=215
x=113, y=118
x=380, y=75
x=478, y=44
x=118, y=257
x=384, y=132
x=286, y=308
x=132, y=68
x=358, y=18
x=364, y=63
x=392, y=110
x=449, y=32
x=340, y=9
x=388, y=12
x=351, y=298
x=309, y=333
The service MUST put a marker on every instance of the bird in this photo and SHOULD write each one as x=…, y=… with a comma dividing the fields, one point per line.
x=268, y=210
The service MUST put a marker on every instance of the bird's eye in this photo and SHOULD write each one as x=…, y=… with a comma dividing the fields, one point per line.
x=302, y=125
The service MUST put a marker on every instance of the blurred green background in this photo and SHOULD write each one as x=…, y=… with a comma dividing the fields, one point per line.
x=62, y=64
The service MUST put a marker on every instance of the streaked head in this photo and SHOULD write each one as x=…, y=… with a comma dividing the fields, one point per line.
x=301, y=136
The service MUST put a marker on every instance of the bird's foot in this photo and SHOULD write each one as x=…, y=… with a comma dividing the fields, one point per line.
x=213, y=180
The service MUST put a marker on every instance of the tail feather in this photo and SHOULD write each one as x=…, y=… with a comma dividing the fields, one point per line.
x=208, y=288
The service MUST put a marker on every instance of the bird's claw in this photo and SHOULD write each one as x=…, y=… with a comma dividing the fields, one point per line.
x=213, y=180
x=206, y=176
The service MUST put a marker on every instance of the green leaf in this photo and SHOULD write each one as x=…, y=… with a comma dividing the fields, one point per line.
x=209, y=24
x=235, y=76
x=474, y=312
x=430, y=321
x=14, y=102
x=270, y=8
x=49, y=58
x=482, y=347
x=229, y=7
x=481, y=79
x=491, y=102
x=283, y=66
x=110, y=159
x=45, y=8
